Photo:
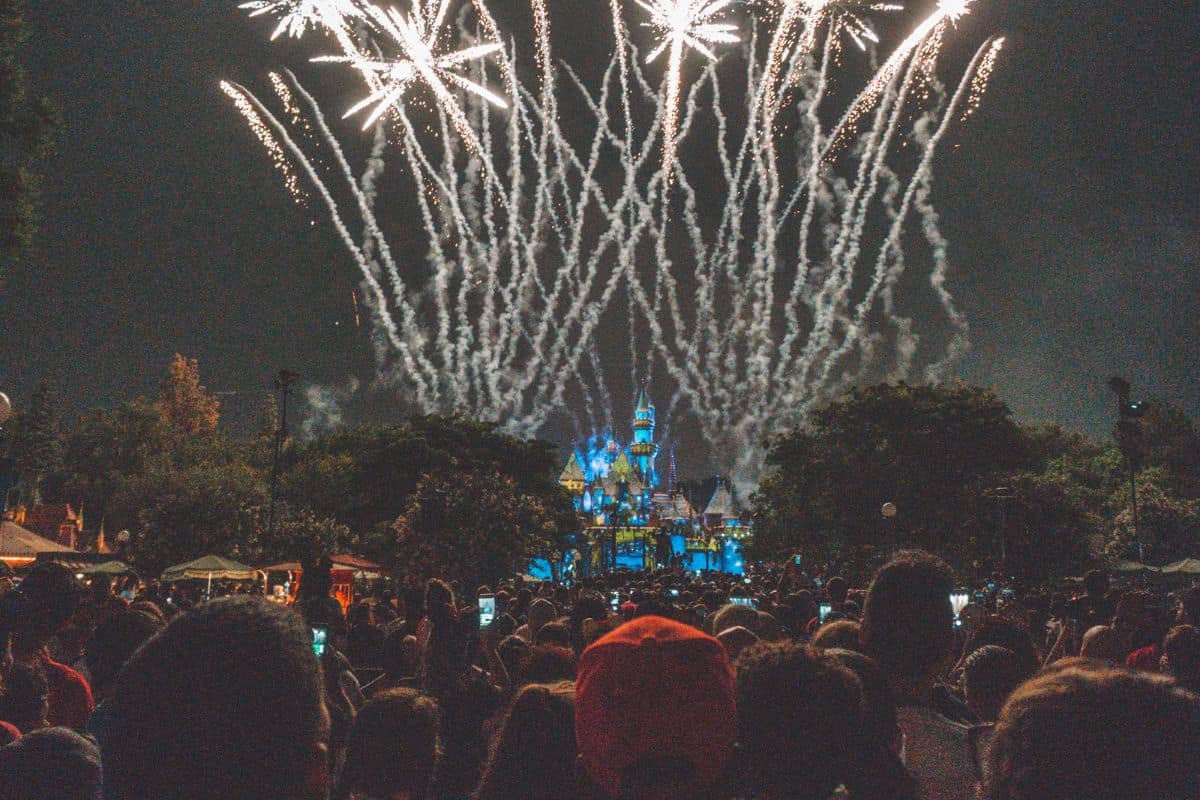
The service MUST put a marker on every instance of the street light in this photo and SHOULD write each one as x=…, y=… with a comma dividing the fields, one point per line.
x=1001, y=496
x=1128, y=433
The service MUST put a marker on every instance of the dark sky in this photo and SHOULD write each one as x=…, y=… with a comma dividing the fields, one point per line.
x=1073, y=206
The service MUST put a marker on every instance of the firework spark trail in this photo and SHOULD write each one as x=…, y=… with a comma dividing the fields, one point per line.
x=918, y=191
x=263, y=133
x=533, y=231
x=846, y=252
x=363, y=194
x=339, y=226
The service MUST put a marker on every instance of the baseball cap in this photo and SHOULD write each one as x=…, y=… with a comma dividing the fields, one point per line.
x=654, y=688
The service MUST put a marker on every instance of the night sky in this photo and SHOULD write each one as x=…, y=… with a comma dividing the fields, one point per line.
x=1072, y=204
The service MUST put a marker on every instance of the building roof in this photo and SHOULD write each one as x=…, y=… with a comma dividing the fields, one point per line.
x=17, y=542
x=621, y=469
x=47, y=520
x=673, y=506
x=572, y=471
x=643, y=401
x=721, y=504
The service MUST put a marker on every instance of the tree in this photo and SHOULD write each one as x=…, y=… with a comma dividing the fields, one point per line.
x=365, y=476
x=107, y=451
x=36, y=448
x=1048, y=532
x=1171, y=441
x=476, y=528
x=185, y=514
x=184, y=403
x=297, y=535
x=930, y=450
x=1169, y=525
x=26, y=129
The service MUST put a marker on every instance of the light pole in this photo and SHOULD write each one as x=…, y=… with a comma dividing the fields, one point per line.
x=1128, y=433
x=1001, y=496
x=283, y=384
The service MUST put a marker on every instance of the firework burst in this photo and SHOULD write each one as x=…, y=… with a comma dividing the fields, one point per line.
x=422, y=60
x=296, y=17
x=757, y=274
x=680, y=24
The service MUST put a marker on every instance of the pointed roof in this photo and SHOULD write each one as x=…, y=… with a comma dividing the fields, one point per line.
x=721, y=504
x=209, y=567
x=643, y=401
x=621, y=468
x=673, y=506
x=17, y=542
x=572, y=472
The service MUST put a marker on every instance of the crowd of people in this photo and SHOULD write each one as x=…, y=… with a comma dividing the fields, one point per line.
x=631, y=686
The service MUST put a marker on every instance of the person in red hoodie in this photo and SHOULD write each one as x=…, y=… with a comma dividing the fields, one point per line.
x=47, y=599
x=655, y=714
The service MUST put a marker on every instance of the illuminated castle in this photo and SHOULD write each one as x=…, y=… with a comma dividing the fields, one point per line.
x=629, y=521
x=618, y=494
x=615, y=485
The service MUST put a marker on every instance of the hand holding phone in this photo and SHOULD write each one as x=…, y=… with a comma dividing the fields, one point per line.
x=320, y=636
x=487, y=609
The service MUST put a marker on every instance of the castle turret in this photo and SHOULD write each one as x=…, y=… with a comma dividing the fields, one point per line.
x=643, y=448
x=572, y=478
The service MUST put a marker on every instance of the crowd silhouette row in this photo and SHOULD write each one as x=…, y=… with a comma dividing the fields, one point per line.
x=650, y=686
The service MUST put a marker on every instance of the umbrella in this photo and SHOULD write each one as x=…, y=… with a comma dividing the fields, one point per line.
x=1133, y=566
x=1187, y=566
x=108, y=568
x=207, y=568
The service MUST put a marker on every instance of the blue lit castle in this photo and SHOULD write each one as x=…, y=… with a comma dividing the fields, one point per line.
x=629, y=519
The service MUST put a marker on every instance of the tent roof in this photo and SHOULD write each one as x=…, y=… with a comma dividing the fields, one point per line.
x=209, y=567
x=108, y=568
x=17, y=542
x=339, y=561
x=1133, y=566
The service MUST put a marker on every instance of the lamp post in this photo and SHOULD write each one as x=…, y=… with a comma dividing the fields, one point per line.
x=283, y=384
x=1128, y=433
x=1001, y=496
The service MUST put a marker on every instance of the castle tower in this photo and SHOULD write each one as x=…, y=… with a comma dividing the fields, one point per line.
x=643, y=448
x=572, y=478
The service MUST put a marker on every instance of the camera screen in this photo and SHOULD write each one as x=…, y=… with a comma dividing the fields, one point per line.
x=320, y=636
x=487, y=610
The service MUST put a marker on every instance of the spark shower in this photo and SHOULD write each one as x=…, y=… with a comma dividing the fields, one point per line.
x=720, y=196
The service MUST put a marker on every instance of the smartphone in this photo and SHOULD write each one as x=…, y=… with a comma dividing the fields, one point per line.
x=746, y=581
x=674, y=593
x=823, y=611
x=742, y=601
x=320, y=636
x=487, y=609
x=614, y=601
x=796, y=559
x=958, y=601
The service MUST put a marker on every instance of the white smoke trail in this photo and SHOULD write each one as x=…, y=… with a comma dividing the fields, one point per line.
x=739, y=232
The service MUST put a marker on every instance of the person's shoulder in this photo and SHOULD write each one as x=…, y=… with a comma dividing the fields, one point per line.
x=915, y=720
x=55, y=670
x=9, y=733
